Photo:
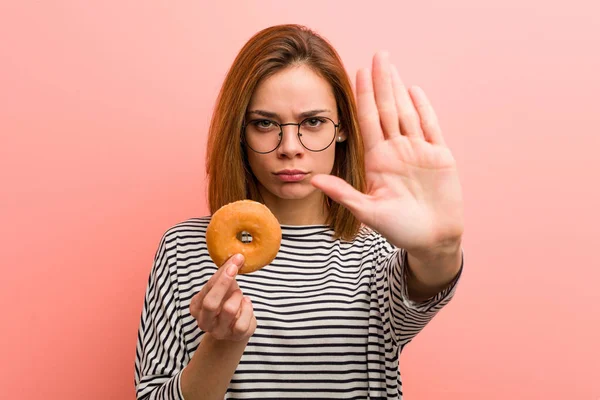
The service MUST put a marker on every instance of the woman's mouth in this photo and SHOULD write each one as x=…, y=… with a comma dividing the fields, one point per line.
x=291, y=175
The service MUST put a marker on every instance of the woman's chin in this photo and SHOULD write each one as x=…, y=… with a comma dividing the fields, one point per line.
x=295, y=192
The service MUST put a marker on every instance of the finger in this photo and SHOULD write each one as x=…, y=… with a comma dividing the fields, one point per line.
x=195, y=305
x=384, y=95
x=198, y=298
x=210, y=321
x=229, y=312
x=341, y=191
x=196, y=302
x=212, y=302
x=407, y=114
x=429, y=121
x=246, y=321
x=368, y=117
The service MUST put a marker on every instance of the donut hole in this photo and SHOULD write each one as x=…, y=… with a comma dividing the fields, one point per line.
x=244, y=237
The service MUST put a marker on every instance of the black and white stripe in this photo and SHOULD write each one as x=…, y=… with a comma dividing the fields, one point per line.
x=333, y=317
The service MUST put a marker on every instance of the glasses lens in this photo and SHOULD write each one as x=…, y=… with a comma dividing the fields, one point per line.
x=317, y=133
x=262, y=135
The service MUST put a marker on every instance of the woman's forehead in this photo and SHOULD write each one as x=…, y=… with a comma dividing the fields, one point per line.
x=298, y=115
x=294, y=90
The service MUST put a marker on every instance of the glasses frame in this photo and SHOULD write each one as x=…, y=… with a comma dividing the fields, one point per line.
x=298, y=134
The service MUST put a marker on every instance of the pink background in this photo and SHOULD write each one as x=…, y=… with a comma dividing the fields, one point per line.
x=104, y=110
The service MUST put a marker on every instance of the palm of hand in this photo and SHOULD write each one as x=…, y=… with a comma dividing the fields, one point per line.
x=413, y=195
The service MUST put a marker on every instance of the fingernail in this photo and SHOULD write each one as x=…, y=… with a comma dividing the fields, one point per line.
x=238, y=260
x=231, y=270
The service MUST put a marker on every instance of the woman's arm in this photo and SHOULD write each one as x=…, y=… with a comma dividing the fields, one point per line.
x=209, y=372
x=227, y=318
x=160, y=349
x=431, y=271
x=407, y=313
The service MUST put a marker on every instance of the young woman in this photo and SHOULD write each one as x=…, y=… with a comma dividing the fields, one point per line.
x=370, y=206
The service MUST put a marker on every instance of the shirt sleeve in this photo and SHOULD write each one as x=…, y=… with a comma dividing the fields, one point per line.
x=160, y=351
x=407, y=317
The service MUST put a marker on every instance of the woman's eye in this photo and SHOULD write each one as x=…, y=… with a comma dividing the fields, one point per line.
x=314, y=122
x=263, y=123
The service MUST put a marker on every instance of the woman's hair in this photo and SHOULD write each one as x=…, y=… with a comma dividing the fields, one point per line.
x=267, y=52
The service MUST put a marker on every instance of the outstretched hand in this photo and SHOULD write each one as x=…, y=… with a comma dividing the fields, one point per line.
x=413, y=196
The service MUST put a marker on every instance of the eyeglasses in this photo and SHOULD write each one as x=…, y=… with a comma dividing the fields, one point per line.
x=315, y=134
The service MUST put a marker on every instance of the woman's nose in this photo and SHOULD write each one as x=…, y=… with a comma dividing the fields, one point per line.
x=290, y=142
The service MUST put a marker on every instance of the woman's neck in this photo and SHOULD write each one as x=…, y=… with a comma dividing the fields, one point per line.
x=308, y=211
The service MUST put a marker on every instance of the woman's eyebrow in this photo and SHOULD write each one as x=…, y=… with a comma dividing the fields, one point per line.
x=304, y=114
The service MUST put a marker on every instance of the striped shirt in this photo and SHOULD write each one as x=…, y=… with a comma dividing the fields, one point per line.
x=333, y=316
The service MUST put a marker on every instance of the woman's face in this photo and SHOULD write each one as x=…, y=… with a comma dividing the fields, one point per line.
x=291, y=95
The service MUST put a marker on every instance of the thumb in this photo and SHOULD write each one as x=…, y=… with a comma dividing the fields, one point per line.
x=340, y=191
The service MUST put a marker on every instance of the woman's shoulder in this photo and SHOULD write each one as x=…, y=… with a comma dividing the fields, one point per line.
x=374, y=241
x=192, y=227
x=367, y=234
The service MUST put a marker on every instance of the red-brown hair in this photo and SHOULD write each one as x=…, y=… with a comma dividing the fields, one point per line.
x=267, y=52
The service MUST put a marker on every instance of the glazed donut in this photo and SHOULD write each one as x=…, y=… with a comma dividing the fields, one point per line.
x=243, y=216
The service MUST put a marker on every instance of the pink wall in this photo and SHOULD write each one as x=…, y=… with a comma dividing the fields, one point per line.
x=103, y=118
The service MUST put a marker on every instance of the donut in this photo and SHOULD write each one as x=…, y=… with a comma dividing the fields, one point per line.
x=229, y=221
